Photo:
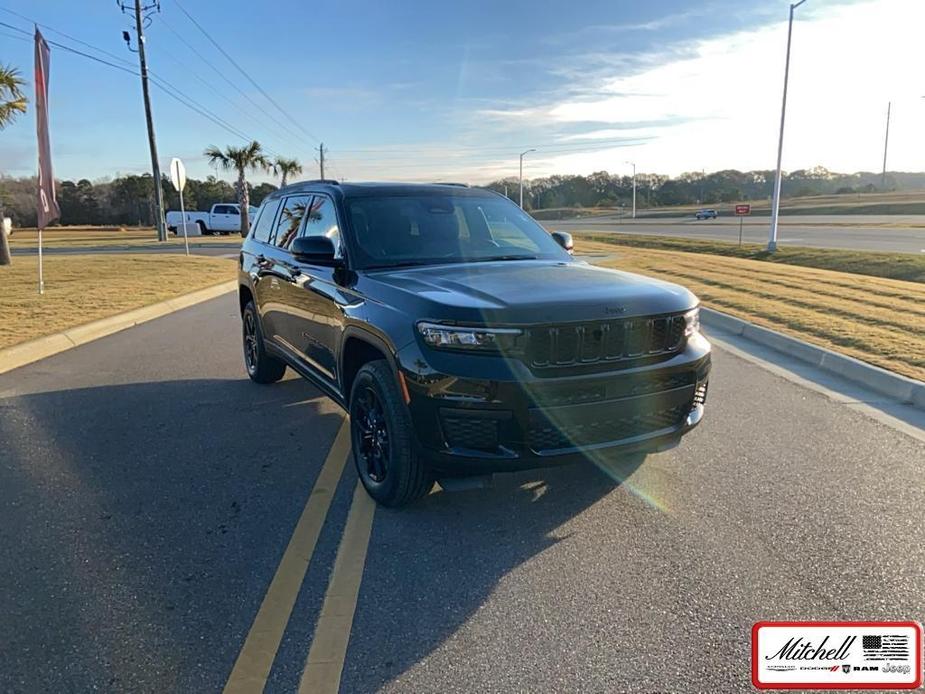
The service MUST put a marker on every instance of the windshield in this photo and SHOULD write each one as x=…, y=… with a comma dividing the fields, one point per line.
x=429, y=229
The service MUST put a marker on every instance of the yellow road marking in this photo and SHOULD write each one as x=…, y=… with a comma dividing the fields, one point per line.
x=325, y=661
x=252, y=667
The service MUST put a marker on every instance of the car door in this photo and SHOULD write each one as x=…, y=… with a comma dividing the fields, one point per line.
x=232, y=218
x=217, y=218
x=257, y=260
x=279, y=270
x=314, y=299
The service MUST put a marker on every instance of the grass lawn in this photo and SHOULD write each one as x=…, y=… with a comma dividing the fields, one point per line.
x=86, y=237
x=83, y=288
x=898, y=266
x=880, y=321
x=897, y=202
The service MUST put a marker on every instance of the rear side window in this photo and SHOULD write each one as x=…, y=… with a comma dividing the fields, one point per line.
x=265, y=221
x=290, y=219
x=322, y=221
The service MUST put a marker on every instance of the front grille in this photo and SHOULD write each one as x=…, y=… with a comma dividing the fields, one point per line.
x=604, y=341
x=477, y=433
x=546, y=435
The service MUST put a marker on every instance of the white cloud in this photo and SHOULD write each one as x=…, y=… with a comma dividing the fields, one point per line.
x=721, y=98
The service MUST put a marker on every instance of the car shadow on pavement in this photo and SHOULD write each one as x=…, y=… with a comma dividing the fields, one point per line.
x=432, y=566
x=140, y=524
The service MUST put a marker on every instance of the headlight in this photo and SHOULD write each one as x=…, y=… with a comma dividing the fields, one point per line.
x=456, y=337
x=692, y=322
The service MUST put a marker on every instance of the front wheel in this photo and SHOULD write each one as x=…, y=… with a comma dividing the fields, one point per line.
x=381, y=435
x=260, y=366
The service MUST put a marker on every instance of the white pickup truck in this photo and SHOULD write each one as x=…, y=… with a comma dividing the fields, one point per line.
x=224, y=218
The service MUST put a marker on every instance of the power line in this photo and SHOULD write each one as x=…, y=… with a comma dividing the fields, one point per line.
x=14, y=36
x=162, y=84
x=67, y=36
x=72, y=50
x=231, y=83
x=243, y=72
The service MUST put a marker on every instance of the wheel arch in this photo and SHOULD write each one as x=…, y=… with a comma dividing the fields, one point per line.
x=359, y=347
x=245, y=296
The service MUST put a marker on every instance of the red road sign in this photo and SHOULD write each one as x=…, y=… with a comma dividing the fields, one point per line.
x=743, y=210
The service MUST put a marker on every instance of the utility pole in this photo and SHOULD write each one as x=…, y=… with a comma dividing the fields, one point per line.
x=149, y=118
x=775, y=204
x=886, y=143
x=321, y=159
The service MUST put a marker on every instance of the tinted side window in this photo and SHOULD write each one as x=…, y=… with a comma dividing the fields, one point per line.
x=290, y=219
x=322, y=221
x=265, y=221
x=222, y=209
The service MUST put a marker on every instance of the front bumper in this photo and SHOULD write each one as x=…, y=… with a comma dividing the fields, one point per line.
x=502, y=417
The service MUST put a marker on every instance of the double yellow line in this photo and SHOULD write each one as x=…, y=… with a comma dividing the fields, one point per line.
x=325, y=661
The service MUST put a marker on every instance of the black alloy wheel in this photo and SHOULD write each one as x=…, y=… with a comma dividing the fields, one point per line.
x=374, y=450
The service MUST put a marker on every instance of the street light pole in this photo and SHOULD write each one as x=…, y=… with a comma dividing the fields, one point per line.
x=775, y=205
x=633, y=164
x=522, y=176
x=886, y=144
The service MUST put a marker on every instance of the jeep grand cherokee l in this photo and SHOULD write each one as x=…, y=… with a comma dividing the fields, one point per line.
x=461, y=337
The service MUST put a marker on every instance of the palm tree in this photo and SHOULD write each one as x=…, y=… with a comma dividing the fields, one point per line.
x=12, y=103
x=286, y=168
x=12, y=100
x=241, y=159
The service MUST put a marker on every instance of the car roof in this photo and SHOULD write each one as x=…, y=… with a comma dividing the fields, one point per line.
x=376, y=188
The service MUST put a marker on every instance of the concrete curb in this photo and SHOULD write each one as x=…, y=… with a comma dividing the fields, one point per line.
x=905, y=390
x=42, y=347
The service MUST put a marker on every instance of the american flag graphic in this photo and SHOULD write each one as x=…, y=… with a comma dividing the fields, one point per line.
x=885, y=647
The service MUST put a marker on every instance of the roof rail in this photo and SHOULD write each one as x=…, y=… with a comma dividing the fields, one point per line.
x=451, y=183
x=332, y=181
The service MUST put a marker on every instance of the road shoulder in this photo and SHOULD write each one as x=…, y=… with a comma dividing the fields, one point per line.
x=34, y=350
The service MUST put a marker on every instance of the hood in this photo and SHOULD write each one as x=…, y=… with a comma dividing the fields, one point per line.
x=532, y=292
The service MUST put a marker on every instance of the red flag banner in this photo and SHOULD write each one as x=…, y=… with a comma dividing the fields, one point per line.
x=48, y=210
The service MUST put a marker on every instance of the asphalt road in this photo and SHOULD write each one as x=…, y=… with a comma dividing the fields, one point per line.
x=900, y=234
x=148, y=492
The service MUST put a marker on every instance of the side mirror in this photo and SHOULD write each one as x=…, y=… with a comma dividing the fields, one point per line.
x=318, y=250
x=564, y=239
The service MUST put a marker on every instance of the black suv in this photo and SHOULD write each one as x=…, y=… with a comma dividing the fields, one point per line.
x=461, y=337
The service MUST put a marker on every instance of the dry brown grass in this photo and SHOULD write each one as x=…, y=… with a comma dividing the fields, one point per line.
x=880, y=321
x=83, y=288
x=108, y=237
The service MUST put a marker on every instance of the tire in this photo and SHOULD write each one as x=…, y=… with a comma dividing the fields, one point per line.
x=382, y=438
x=202, y=229
x=260, y=366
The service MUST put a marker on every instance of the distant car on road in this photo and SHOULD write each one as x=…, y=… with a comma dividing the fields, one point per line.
x=706, y=214
x=224, y=218
x=462, y=338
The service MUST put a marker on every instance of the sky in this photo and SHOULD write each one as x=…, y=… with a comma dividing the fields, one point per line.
x=422, y=90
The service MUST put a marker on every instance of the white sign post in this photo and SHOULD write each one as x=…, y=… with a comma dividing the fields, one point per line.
x=178, y=178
